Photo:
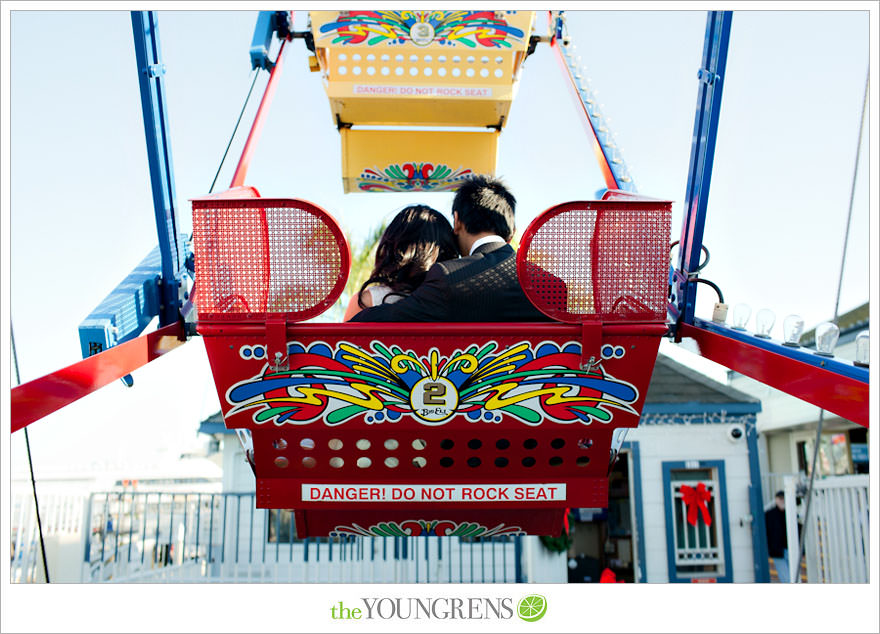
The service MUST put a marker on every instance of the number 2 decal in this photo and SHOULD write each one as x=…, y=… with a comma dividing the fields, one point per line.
x=435, y=393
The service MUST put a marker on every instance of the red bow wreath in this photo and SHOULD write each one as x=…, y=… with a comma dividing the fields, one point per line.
x=695, y=500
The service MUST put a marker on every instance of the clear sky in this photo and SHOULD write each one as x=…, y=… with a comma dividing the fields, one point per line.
x=81, y=208
x=81, y=218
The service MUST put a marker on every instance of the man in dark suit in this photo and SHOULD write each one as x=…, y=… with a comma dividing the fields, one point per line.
x=480, y=286
x=777, y=537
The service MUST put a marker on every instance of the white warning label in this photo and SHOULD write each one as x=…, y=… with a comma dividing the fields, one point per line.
x=552, y=492
x=421, y=91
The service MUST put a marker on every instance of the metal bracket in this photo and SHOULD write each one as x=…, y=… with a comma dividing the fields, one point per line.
x=276, y=344
x=533, y=43
x=558, y=24
x=707, y=76
x=306, y=36
x=591, y=344
x=497, y=126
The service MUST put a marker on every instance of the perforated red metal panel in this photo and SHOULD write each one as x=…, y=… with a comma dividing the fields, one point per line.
x=344, y=431
x=605, y=260
x=258, y=256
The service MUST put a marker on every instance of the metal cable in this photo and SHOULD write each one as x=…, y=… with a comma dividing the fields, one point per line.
x=708, y=283
x=240, y=115
x=803, y=540
x=852, y=195
x=27, y=443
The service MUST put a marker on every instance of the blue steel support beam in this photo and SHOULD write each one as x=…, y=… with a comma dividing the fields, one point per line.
x=127, y=310
x=756, y=505
x=607, y=152
x=151, y=79
x=711, y=78
x=828, y=383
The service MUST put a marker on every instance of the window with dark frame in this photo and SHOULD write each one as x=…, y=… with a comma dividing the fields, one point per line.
x=699, y=548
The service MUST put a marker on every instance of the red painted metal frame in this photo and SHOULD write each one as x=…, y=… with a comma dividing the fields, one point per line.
x=462, y=329
x=243, y=191
x=839, y=394
x=35, y=399
x=257, y=127
x=549, y=443
x=604, y=166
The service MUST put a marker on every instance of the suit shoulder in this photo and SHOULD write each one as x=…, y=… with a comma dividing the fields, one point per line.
x=449, y=267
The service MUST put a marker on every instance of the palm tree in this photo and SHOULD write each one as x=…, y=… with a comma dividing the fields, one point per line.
x=362, y=259
x=363, y=253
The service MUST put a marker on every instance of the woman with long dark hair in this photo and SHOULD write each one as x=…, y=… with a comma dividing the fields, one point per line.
x=418, y=237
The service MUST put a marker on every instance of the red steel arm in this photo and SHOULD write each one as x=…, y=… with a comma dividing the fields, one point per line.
x=257, y=127
x=610, y=181
x=38, y=398
x=847, y=397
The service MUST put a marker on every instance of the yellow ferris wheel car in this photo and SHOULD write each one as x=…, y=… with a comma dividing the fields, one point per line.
x=397, y=81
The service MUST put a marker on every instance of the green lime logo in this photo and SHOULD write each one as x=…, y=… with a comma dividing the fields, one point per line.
x=532, y=608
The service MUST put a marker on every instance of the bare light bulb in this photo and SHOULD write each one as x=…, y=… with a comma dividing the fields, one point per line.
x=826, y=338
x=792, y=328
x=764, y=321
x=863, y=349
x=741, y=314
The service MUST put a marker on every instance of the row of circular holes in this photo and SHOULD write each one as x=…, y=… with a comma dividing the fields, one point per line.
x=413, y=71
x=418, y=444
x=414, y=58
x=391, y=462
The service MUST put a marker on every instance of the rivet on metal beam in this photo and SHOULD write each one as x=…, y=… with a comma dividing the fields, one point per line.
x=155, y=70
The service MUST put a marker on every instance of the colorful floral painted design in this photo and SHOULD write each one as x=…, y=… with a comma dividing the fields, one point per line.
x=440, y=528
x=412, y=177
x=469, y=28
x=529, y=384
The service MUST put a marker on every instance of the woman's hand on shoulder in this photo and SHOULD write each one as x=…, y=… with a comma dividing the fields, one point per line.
x=354, y=307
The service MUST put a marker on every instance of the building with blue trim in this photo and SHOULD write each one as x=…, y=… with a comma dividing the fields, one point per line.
x=696, y=446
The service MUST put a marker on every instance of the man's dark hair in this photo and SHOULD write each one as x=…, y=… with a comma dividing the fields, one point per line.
x=780, y=494
x=484, y=204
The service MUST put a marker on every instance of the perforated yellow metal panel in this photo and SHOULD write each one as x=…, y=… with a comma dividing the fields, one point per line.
x=421, y=67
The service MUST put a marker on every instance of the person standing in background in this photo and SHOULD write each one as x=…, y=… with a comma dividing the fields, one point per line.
x=777, y=538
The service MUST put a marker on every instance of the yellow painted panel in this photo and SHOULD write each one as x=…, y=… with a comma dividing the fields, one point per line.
x=379, y=67
x=414, y=160
x=454, y=30
x=420, y=111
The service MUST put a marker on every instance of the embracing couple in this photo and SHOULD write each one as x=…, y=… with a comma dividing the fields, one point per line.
x=419, y=276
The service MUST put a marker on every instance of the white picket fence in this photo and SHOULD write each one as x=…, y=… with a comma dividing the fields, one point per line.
x=167, y=537
x=837, y=535
x=62, y=517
